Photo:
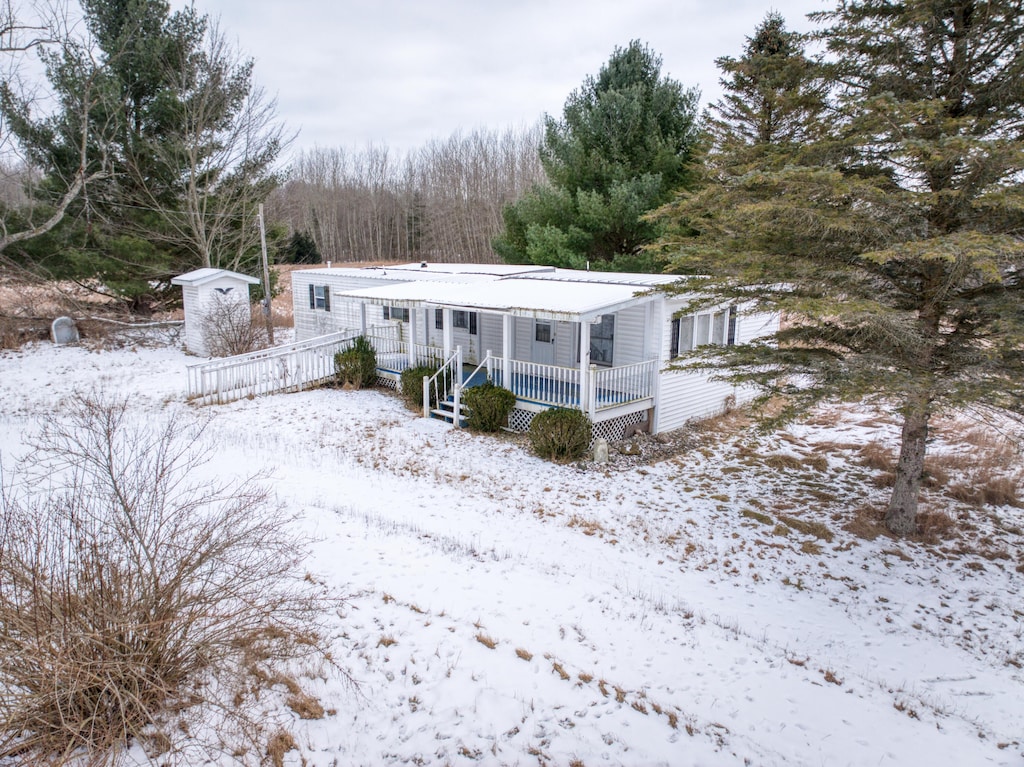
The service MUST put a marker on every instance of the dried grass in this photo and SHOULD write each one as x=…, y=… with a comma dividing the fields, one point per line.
x=125, y=589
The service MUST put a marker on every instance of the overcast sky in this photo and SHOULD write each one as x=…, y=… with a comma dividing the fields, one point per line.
x=399, y=73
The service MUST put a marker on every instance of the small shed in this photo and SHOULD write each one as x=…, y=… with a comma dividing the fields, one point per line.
x=203, y=291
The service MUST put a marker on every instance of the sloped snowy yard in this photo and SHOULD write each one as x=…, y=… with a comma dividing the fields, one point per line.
x=707, y=609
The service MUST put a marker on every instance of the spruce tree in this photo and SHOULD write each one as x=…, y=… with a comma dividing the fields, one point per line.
x=889, y=238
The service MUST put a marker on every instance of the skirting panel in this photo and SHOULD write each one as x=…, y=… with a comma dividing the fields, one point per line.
x=613, y=429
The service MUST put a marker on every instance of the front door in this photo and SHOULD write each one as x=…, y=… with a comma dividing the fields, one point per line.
x=543, y=342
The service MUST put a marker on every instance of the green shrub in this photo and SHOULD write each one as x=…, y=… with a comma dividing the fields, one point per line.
x=356, y=367
x=412, y=384
x=560, y=435
x=488, y=406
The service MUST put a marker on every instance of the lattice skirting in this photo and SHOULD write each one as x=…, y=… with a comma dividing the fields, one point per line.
x=387, y=383
x=612, y=429
x=615, y=428
x=520, y=420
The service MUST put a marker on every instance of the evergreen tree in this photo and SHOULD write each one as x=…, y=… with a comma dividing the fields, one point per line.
x=891, y=243
x=300, y=249
x=624, y=143
x=773, y=96
x=186, y=142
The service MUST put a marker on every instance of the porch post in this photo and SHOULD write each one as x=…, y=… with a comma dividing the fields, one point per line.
x=362, y=318
x=449, y=337
x=506, y=350
x=412, y=338
x=585, y=365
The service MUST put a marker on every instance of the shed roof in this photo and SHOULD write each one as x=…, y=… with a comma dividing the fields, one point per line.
x=207, y=274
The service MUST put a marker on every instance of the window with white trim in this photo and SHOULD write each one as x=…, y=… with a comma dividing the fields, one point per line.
x=708, y=328
x=396, y=313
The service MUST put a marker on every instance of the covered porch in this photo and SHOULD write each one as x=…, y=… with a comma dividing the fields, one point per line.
x=554, y=345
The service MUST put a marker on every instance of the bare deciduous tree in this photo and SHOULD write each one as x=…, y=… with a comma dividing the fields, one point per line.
x=442, y=202
x=226, y=141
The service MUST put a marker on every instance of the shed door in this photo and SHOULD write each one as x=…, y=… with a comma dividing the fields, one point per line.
x=544, y=342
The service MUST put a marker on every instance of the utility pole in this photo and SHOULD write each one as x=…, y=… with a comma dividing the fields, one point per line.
x=266, y=280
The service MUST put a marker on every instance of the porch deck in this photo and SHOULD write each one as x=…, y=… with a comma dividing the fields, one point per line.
x=537, y=385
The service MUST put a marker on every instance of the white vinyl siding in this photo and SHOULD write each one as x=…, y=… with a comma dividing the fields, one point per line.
x=344, y=315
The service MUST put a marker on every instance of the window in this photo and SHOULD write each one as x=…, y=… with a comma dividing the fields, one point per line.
x=718, y=325
x=396, y=313
x=701, y=335
x=439, y=319
x=465, y=320
x=320, y=297
x=690, y=332
x=542, y=332
x=602, y=340
x=682, y=336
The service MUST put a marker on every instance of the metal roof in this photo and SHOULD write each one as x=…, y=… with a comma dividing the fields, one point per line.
x=518, y=296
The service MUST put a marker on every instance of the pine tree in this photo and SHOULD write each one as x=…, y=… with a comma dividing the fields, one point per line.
x=624, y=144
x=186, y=143
x=890, y=240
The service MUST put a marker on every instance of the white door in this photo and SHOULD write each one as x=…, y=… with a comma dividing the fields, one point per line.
x=543, y=342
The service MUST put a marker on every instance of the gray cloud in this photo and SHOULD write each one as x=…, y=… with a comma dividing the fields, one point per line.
x=400, y=73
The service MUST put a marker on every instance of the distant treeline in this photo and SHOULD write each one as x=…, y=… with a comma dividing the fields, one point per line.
x=440, y=203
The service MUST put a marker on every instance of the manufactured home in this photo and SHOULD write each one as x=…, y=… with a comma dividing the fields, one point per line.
x=602, y=342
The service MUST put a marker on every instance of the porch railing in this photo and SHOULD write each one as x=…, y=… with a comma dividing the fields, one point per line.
x=445, y=381
x=393, y=353
x=617, y=386
x=557, y=386
x=281, y=368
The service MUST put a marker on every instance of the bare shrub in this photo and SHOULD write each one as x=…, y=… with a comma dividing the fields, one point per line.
x=229, y=327
x=133, y=592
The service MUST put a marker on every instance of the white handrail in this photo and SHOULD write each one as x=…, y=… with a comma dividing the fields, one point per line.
x=280, y=368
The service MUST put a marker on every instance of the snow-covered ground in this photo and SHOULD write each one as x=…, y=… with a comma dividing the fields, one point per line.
x=504, y=610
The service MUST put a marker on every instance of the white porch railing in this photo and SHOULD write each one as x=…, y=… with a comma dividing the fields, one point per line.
x=445, y=381
x=557, y=386
x=617, y=386
x=282, y=368
x=393, y=354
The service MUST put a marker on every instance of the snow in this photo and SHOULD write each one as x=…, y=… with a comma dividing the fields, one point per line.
x=641, y=613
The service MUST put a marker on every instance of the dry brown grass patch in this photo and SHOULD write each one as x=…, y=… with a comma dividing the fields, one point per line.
x=280, y=743
x=878, y=457
x=935, y=525
x=782, y=461
x=487, y=641
x=817, y=529
x=305, y=706
x=867, y=523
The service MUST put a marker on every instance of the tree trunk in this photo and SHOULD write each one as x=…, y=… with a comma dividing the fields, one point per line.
x=901, y=516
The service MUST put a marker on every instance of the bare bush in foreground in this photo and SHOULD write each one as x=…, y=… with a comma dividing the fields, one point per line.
x=133, y=591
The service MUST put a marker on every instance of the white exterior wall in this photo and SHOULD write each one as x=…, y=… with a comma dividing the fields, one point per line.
x=683, y=395
x=344, y=315
x=193, y=330
x=197, y=301
x=751, y=326
x=630, y=336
